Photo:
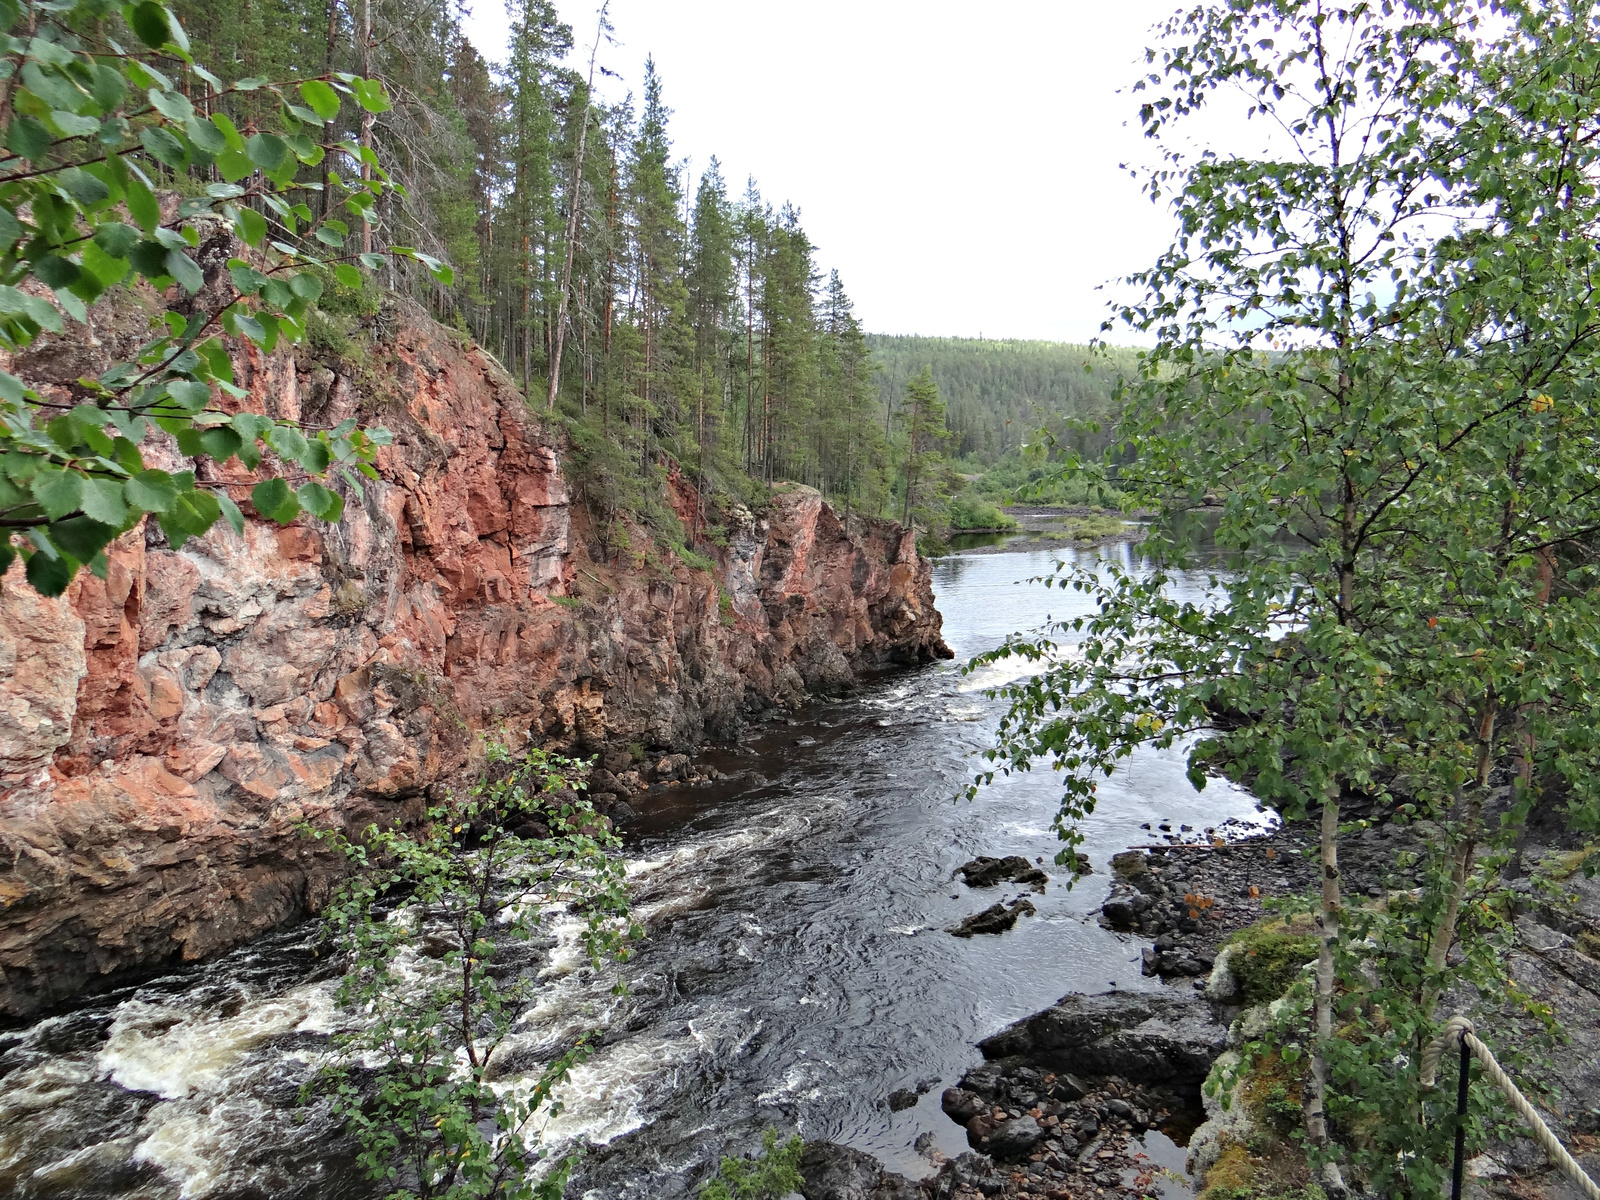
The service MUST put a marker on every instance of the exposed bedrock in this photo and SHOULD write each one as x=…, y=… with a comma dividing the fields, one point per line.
x=163, y=731
x=1139, y=1036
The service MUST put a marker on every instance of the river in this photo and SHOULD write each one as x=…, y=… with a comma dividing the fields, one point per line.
x=797, y=968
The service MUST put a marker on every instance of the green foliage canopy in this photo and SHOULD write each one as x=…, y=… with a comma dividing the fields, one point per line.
x=1376, y=344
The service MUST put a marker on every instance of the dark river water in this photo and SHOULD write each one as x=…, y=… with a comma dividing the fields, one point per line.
x=797, y=968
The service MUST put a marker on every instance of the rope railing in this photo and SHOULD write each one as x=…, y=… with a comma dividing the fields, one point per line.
x=1458, y=1032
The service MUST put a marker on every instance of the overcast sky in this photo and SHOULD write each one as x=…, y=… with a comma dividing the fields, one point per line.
x=957, y=164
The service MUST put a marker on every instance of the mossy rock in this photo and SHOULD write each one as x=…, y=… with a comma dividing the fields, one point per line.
x=1273, y=1093
x=1267, y=956
x=1564, y=865
x=1232, y=1177
x=1131, y=865
x=1277, y=1174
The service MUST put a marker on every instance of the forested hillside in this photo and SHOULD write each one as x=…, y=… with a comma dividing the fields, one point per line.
x=697, y=325
x=1000, y=392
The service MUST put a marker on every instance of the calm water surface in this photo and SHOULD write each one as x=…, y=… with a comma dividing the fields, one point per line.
x=796, y=971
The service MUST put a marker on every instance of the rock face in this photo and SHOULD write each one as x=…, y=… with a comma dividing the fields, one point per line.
x=1137, y=1036
x=163, y=731
x=834, y=1172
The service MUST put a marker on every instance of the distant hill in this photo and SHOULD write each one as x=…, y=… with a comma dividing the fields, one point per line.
x=1000, y=392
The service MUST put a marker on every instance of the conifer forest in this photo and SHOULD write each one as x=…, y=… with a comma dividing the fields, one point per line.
x=666, y=315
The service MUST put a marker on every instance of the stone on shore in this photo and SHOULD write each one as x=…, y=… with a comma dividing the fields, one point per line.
x=1141, y=1037
x=835, y=1172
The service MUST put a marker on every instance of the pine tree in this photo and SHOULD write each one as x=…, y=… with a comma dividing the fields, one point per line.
x=699, y=337
x=923, y=414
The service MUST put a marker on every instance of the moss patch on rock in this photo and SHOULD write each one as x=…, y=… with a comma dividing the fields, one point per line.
x=1273, y=1093
x=1275, y=1172
x=1564, y=865
x=1266, y=957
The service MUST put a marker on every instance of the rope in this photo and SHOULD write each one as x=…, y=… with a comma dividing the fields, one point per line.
x=1458, y=1032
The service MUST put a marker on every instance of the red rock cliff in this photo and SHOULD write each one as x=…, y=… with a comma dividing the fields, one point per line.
x=162, y=731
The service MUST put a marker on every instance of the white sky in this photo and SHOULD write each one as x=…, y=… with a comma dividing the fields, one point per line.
x=957, y=163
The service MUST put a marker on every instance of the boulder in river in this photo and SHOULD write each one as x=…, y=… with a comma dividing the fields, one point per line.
x=835, y=1172
x=961, y=1105
x=997, y=918
x=903, y=1098
x=1139, y=1037
x=984, y=871
x=672, y=767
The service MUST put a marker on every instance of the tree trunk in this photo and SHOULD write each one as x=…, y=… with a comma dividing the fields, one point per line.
x=327, y=66
x=573, y=208
x=367, y=118
x=1327, y=939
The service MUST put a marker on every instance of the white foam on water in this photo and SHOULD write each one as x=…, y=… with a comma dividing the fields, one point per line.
x=613, y=1092
x=188, y=1147
x=569, y=954
x=965, y=712
x=799, y=1083
x=1013, y=669
x=162, y=1048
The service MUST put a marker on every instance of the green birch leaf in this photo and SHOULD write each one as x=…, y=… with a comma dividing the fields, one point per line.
x=164, y=147
x=116, y=239
x=184, y=269
x=274, y=501
x=59, y=491
x=143, y=206
x=152, y=23
x=82, y=537
x=103, y=501
x=252, y=226
x=151, y=491
x=50, y=576
x=321, y=98
x=320, y=501
x=230, y=512
x=267, y=150
x=29, y=138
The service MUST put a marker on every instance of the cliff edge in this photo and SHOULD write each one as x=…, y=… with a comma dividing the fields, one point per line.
x=163, y=730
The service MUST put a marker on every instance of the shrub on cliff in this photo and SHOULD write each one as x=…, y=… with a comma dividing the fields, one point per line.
x=428, y=927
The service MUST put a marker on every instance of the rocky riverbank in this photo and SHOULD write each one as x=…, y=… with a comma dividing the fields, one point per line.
x=1095, y=1096
x=165, y=729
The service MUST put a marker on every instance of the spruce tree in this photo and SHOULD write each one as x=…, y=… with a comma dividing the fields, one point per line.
x=923, y=414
